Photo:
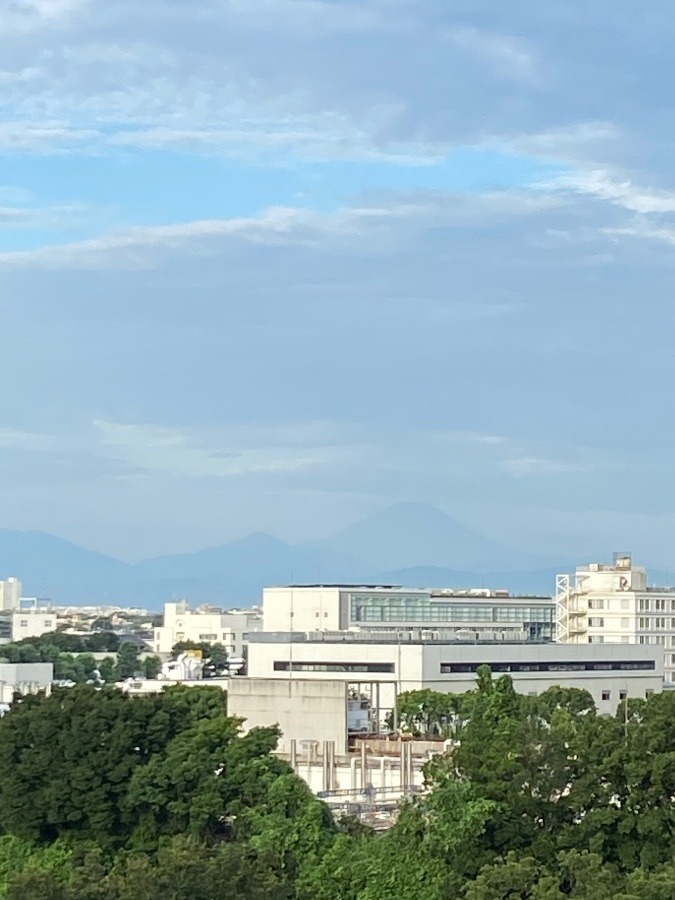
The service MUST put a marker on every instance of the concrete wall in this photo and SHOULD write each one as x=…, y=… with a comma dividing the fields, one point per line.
x=301, y=609
x=32, y=624
x=303, y=709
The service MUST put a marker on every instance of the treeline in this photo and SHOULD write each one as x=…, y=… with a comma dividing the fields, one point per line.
x=106, y=797
x=72, y=656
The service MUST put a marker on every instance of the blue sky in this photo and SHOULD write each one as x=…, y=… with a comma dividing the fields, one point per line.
x=276, y=264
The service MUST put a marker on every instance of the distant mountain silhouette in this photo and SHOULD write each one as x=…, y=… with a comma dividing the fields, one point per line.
x=51, y=566
x=411, y=544
x=237, y=572
x=414, y=534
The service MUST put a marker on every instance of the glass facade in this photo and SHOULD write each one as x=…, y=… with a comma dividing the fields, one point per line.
x=386, y=609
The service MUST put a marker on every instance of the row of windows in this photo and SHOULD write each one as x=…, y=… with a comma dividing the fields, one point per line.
x=600, y=604
x=660, y=605
x=437, y=613
x=288, y=666
x=656, y=622
x=646, y=604
x=644, y=664
x=471, y=668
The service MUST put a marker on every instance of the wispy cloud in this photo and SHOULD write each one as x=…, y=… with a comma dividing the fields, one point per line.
x=620, y=191
x=170, y=451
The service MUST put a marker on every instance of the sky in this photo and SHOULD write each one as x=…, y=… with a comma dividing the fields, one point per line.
x=277, y=264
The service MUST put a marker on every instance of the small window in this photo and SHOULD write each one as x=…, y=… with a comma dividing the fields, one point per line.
x=625, y=639
x=623, y=695
x=325, y=615
x=316, y=615
x=625, y=604
x=606, y=695
x=23, y=623
x=596, y=622
x=625, y=623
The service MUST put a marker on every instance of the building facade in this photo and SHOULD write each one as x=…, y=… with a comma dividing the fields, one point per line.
x=614, y=604
x=476, y=613
x=204, y=625
x=414, y=661
x=11, y=590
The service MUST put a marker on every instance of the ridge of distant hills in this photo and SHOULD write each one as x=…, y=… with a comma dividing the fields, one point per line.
x=411, y=544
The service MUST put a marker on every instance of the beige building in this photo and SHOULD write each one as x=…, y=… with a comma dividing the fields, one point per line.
x=11, y=590
x=32, y=623
x=614, y=604
x=205, y=625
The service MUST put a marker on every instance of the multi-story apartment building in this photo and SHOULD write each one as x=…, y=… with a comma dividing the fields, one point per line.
x=477, y=613
x=615, y=604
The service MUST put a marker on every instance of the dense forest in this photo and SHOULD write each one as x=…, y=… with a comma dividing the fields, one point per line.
x=106, y=797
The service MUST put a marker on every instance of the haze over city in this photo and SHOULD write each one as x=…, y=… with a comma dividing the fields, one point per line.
x=277, y=266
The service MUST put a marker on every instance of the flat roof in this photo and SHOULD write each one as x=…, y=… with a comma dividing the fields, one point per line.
x=434, y=593
x=358, y=638
x=342, y=586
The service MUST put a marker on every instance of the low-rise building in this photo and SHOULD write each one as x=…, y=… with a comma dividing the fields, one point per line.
x=19, y=625
x=23, y=678
x=480, y=612
x=414, y=660
x=205, y=625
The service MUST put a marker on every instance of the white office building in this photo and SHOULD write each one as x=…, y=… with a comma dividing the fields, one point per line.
x=474, y=614
x=614, y=604
x=415, y=660
x=205, y=625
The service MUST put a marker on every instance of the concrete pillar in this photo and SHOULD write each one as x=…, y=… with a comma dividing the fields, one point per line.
x=294, y=755
x=364, y=765
x=325, y=766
